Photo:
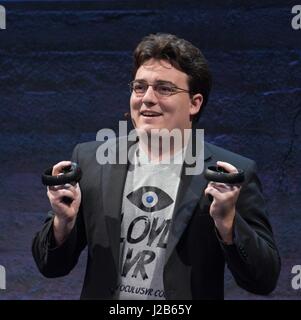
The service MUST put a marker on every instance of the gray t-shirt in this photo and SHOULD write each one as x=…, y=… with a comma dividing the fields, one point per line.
x=147, y=209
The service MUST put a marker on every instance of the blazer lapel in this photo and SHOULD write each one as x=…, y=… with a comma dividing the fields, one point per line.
x=191, y=189
x=113, y=182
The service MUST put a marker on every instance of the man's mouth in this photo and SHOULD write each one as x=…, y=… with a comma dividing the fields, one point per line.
x=150, y=114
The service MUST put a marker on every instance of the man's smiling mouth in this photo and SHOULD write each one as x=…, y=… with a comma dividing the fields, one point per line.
x=150, y=114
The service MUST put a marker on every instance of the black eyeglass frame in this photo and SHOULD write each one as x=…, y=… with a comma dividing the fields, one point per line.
x=172, y=86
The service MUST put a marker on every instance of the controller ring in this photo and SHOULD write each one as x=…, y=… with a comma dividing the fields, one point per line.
x=217, y=174
x=71, y=173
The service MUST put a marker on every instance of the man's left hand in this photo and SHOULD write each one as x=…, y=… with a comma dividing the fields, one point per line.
x=222, y=208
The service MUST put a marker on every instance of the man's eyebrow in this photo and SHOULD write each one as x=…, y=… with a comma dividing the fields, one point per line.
x=157, y=81
x=140, y=80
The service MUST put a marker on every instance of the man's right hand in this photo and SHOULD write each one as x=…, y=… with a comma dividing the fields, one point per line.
x=65, y=212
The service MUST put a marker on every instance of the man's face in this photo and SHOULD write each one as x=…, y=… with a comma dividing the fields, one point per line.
x=152, y=111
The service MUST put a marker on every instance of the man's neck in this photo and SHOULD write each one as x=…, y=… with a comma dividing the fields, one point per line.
x=158, y=148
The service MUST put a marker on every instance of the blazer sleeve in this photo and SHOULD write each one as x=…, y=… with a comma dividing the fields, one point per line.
x=55, y=261
x=253, y=258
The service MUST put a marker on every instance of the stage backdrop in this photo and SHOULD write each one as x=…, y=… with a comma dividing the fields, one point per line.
x=64, y=73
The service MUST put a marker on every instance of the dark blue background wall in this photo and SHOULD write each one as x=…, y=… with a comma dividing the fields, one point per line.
x=64, y=69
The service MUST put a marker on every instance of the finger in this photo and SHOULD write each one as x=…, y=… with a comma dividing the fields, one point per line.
x=208, y=190
x=221, y=193
x=59, y=166
x=227, y=166
x=218, y=184
x=67, y=186
x=224, y=187
x=212, y=192
x=58, y=195
x=56, y=188
x=221, y=186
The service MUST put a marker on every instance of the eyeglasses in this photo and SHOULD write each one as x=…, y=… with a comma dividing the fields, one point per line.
x=161, y=88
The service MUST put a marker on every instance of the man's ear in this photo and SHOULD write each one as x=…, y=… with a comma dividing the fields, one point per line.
x=196, y=103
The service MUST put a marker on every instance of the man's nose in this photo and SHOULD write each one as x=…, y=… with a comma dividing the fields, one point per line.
x=150, y=96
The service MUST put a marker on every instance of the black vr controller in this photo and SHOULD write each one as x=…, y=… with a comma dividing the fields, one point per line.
x=70, y=174
x=219, y=174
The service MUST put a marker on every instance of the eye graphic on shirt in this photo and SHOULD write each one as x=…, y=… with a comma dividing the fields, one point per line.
x=150, y=199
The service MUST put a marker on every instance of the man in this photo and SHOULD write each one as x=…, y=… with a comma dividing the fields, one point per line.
x=151, y=231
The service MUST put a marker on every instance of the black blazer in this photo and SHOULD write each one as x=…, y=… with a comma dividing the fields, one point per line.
x=195, y=255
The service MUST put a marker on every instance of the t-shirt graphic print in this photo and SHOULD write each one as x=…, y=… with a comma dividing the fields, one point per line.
x=148, y=204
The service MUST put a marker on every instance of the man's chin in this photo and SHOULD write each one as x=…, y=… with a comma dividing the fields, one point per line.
x=150, y=129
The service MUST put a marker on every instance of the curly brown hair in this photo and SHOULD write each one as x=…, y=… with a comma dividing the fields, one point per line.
x=183, y=56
